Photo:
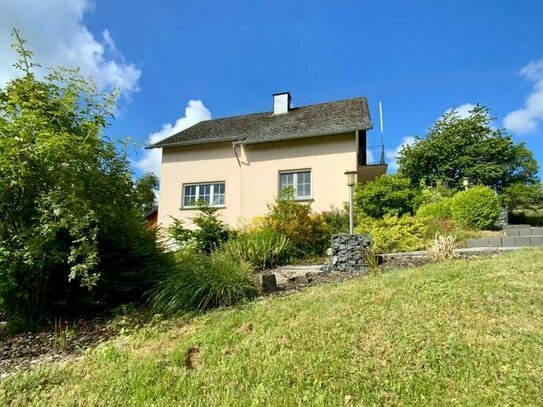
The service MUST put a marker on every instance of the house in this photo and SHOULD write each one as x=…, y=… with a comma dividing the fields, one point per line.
x=240, y=163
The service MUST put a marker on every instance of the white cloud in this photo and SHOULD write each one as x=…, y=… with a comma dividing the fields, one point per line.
x=57, y=35
x=195, y=112
x=391, y=155
x=526, y=119
x=463, y=110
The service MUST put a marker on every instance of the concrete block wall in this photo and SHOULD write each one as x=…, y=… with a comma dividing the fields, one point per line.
x=515, y=236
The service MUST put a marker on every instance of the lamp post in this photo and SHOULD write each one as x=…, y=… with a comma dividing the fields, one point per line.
x=351, y=182
x=465, y=183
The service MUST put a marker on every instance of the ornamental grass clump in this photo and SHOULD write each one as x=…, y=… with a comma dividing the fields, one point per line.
x=200, y=282
x=262, y=248
x=442, y=248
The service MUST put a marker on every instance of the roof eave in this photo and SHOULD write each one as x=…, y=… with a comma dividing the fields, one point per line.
x=189, y=143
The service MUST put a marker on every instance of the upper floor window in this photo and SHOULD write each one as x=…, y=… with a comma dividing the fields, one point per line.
x=211, y=194
x=299, y=181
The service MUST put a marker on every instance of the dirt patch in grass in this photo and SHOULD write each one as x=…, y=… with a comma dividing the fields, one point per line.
x=26, y=350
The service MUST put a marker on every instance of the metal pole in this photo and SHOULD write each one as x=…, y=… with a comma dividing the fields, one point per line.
x=351, y=216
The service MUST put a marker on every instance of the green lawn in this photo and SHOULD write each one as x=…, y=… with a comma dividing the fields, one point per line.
x=466, y=333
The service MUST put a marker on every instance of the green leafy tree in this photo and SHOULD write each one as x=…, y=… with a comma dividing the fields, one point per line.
x=387, y=195
x=144, y=192
x=69, y=229
x=522, y=196
x=469, y=147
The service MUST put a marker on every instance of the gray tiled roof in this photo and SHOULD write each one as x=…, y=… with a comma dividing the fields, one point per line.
x=306, y=121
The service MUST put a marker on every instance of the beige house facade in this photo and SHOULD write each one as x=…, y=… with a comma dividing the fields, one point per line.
x=240, y=164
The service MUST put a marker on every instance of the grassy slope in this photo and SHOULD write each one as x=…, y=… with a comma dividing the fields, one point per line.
x=458, y=333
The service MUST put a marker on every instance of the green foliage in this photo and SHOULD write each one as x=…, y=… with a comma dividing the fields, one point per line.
x=262, y=248
x=201, y=282
x=337, y=220
x=144, y=193
x=68, y=221
x=210, y=232
x=438, y=210
x=395, y=233
x=463, y=332
x=387, y=195
x=527, y=216
x=477, y=208
x=307, y=232
x=521, y=196
x=457, y=147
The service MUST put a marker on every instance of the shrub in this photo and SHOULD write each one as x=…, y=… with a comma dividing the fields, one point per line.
x=263, y=248
x=387, y=195
x=395, y=233
x=337, y=220
x=477, y=208
x=210, y=232
x=306, y=231
x=200, y=282
x=438, y=210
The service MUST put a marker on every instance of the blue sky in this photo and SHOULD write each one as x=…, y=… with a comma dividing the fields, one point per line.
x=419, y=58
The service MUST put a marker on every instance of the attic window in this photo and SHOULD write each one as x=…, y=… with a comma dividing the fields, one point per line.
x=299, y=181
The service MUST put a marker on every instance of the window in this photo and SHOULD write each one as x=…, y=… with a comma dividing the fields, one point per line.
x=211, y=194
x=300, y=181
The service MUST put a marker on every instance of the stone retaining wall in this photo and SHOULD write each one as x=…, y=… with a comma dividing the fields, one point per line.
x=347, y=252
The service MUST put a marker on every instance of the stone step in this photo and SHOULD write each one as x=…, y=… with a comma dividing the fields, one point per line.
x=531, y=231
x=507, y=241
x=507, y=227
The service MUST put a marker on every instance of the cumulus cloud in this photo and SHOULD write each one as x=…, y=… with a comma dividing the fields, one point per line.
x=525, y=120
x=195, y=112
x=463, y=110
x=391, y=155
x=55, y=31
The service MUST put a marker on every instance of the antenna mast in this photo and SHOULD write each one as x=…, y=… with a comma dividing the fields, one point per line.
x=382, y=139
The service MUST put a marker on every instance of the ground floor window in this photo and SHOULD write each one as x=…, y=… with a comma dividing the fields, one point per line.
x=211, y=194
x=299, y=181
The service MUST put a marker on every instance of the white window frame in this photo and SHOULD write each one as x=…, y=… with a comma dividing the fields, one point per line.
x=211, y=193
x=295, y=183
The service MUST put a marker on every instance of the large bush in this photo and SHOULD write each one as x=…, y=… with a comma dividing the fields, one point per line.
x=477, y=208
x=70, y=232
x=306, y=231
x=387, y=195
x=395, y=233
x=337, y=220
x=438, y=210
x=200, y=282
x=262, y=248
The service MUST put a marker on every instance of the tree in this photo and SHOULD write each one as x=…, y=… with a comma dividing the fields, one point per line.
x=69, y=228
x=522, y=196
x=144, y=191
x=456, y=148
x=387, y=195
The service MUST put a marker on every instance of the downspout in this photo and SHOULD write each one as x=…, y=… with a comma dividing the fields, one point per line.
x=236, y=154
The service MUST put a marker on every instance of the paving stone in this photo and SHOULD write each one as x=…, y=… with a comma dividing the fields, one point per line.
x=525, y=232
x=538, y=231
x=536, y=241
x=522, y=241
x=511, y=232
x=494, y=241
x=483, y=242
x=508, y=241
